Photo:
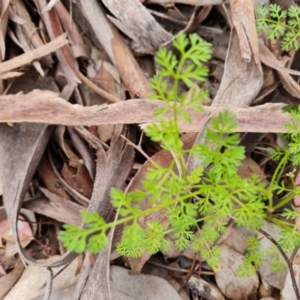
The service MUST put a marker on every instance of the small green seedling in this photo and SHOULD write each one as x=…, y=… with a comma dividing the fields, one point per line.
x=198, y=205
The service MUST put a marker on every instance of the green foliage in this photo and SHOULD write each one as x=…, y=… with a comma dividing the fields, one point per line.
x=92, y=239
x=195, y=175
x=253, y=258
x=289, y=240
x=280, y=24
x=294, y=134
x=278, y=265
x=212, y=256
x=197, y=205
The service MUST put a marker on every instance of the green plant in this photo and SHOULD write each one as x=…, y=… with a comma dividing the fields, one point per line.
x=280, y=24
x=198, y=205
x=253, y=258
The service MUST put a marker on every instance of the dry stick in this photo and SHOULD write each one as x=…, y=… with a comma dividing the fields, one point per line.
x=96, y=89
x=289, y=263
x=53, y=276
x=49, y=284
x=188, y=275
x=90, y=138
x=137, y=147
x=176, y=269
x=294, y=254
x=35, y=54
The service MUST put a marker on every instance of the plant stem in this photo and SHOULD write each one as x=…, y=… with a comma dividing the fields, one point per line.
x=280, y=223
x=276, y=176
x=175, y=114
x=143, y=213
x=285, y=200
x=283, y=24
x=289, y=263
x=294, y=254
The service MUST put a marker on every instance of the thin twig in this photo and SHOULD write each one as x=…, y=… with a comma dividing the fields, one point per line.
x=294, y=254
x=28, y=57
x=49, y=284
x=93, y=141
x=138, y=148
x=109, y=97
x=55, y=275
x=289, y=263
x=176, y=269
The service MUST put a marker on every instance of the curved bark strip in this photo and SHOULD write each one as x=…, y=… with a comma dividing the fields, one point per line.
x=47, y=107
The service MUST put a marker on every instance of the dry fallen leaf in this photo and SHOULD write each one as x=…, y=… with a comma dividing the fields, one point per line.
x=4, y=13
x=269, y=59
x=24, y=231
x=50, y=5
x=116, y=49
x=250, y=167
x=56, y=208
x=32, y=279
x=119, y=157
x=26, y=226
x=10, y=279
x=21, y=149
x=51, y=182
x=189, y=2
x=144, y=30
x=78, y=178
